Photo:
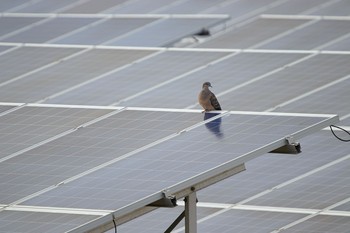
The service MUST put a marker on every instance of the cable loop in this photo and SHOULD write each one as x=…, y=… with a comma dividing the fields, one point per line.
x=341, y=139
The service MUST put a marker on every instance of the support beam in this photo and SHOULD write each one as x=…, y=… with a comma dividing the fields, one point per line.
x=191, y=213
x=175, y=223
x=291, y=147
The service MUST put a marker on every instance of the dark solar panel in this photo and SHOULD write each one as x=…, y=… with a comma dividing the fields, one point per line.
x=68, y=73
x=136, y=79
x=126, y=158
x=171, y=162
x=21, y=222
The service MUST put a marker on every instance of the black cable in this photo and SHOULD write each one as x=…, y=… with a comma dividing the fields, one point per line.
x=343, y=140
x=115, y=226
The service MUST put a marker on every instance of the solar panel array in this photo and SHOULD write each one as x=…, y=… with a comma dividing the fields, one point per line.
x=64, y=162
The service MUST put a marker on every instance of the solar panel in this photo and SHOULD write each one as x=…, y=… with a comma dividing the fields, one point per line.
x=74, y=70
x=46, y=6
x=261, y=95
x=240, y=10
x=253, y=33
x=232, y=71
x=104, y=31
x=154, y=168
x=18, y=221
x=139, y=7
x=165, y=32
x=272, y=170
x=23, y=60
x=321, y=224
x=7, y=5
x=11, y=24
x=295, y=7
x=79, y=150
x=342, y=45
x=138, y=78
x=51, y=155
x=187, y=7
x=4, y=48
x=339, y=8
x=28, y=126
x=3, y=109
x=332, y=98
x=50, y=29
x=316, y=191
x=240, y=221
x=91, y=6
x=311, y=36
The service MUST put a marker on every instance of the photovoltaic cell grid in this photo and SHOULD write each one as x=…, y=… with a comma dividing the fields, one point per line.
x=80, y=150
x=320, y=141
x=52, y=28
x=17, y=221
x=28, y=59
x=139, y=77
x=173, y=161
x=283, y=33
x=5, y=108
x=317, y=191
x=30, y=125
x=103, y=30
x=72, y=71
x=318, y=150
x=151, y=170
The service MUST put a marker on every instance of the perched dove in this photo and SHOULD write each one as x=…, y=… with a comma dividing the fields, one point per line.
x=207, y=99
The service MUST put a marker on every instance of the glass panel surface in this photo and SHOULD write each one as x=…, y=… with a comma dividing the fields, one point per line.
x=25, y=222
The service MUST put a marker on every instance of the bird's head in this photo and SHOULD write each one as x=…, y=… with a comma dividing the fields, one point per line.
x=206, y=84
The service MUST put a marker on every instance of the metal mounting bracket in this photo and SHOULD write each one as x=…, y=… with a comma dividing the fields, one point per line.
x=168, y=201
x=291, y=147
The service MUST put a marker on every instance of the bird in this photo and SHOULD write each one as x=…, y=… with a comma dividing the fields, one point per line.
x=207, y=99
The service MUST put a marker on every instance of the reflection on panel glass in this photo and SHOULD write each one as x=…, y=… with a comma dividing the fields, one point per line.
x=214, y=126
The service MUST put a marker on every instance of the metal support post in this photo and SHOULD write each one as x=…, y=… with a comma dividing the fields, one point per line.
x=191, y=213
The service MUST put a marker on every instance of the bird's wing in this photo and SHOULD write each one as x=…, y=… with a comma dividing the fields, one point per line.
x=214, y=102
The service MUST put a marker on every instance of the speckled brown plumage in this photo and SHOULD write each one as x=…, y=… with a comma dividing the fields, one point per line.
x=207, y=99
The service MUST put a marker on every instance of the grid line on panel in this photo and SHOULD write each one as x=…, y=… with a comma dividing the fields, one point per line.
x=77, y=30
x=98, y=77
x=256, y=12
x=111, y=41
x=318, y=7
x=23, y=29
x=19, y=106
x=172, y=80
x=44, y=67
x=60, y=135
x=9, y=50
x=21, y=6
x=311, y=215
x=304, y=25
x=260, y=77
x=72, y=5
x=332, y=42
x=345, y=117
x=309, y=93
